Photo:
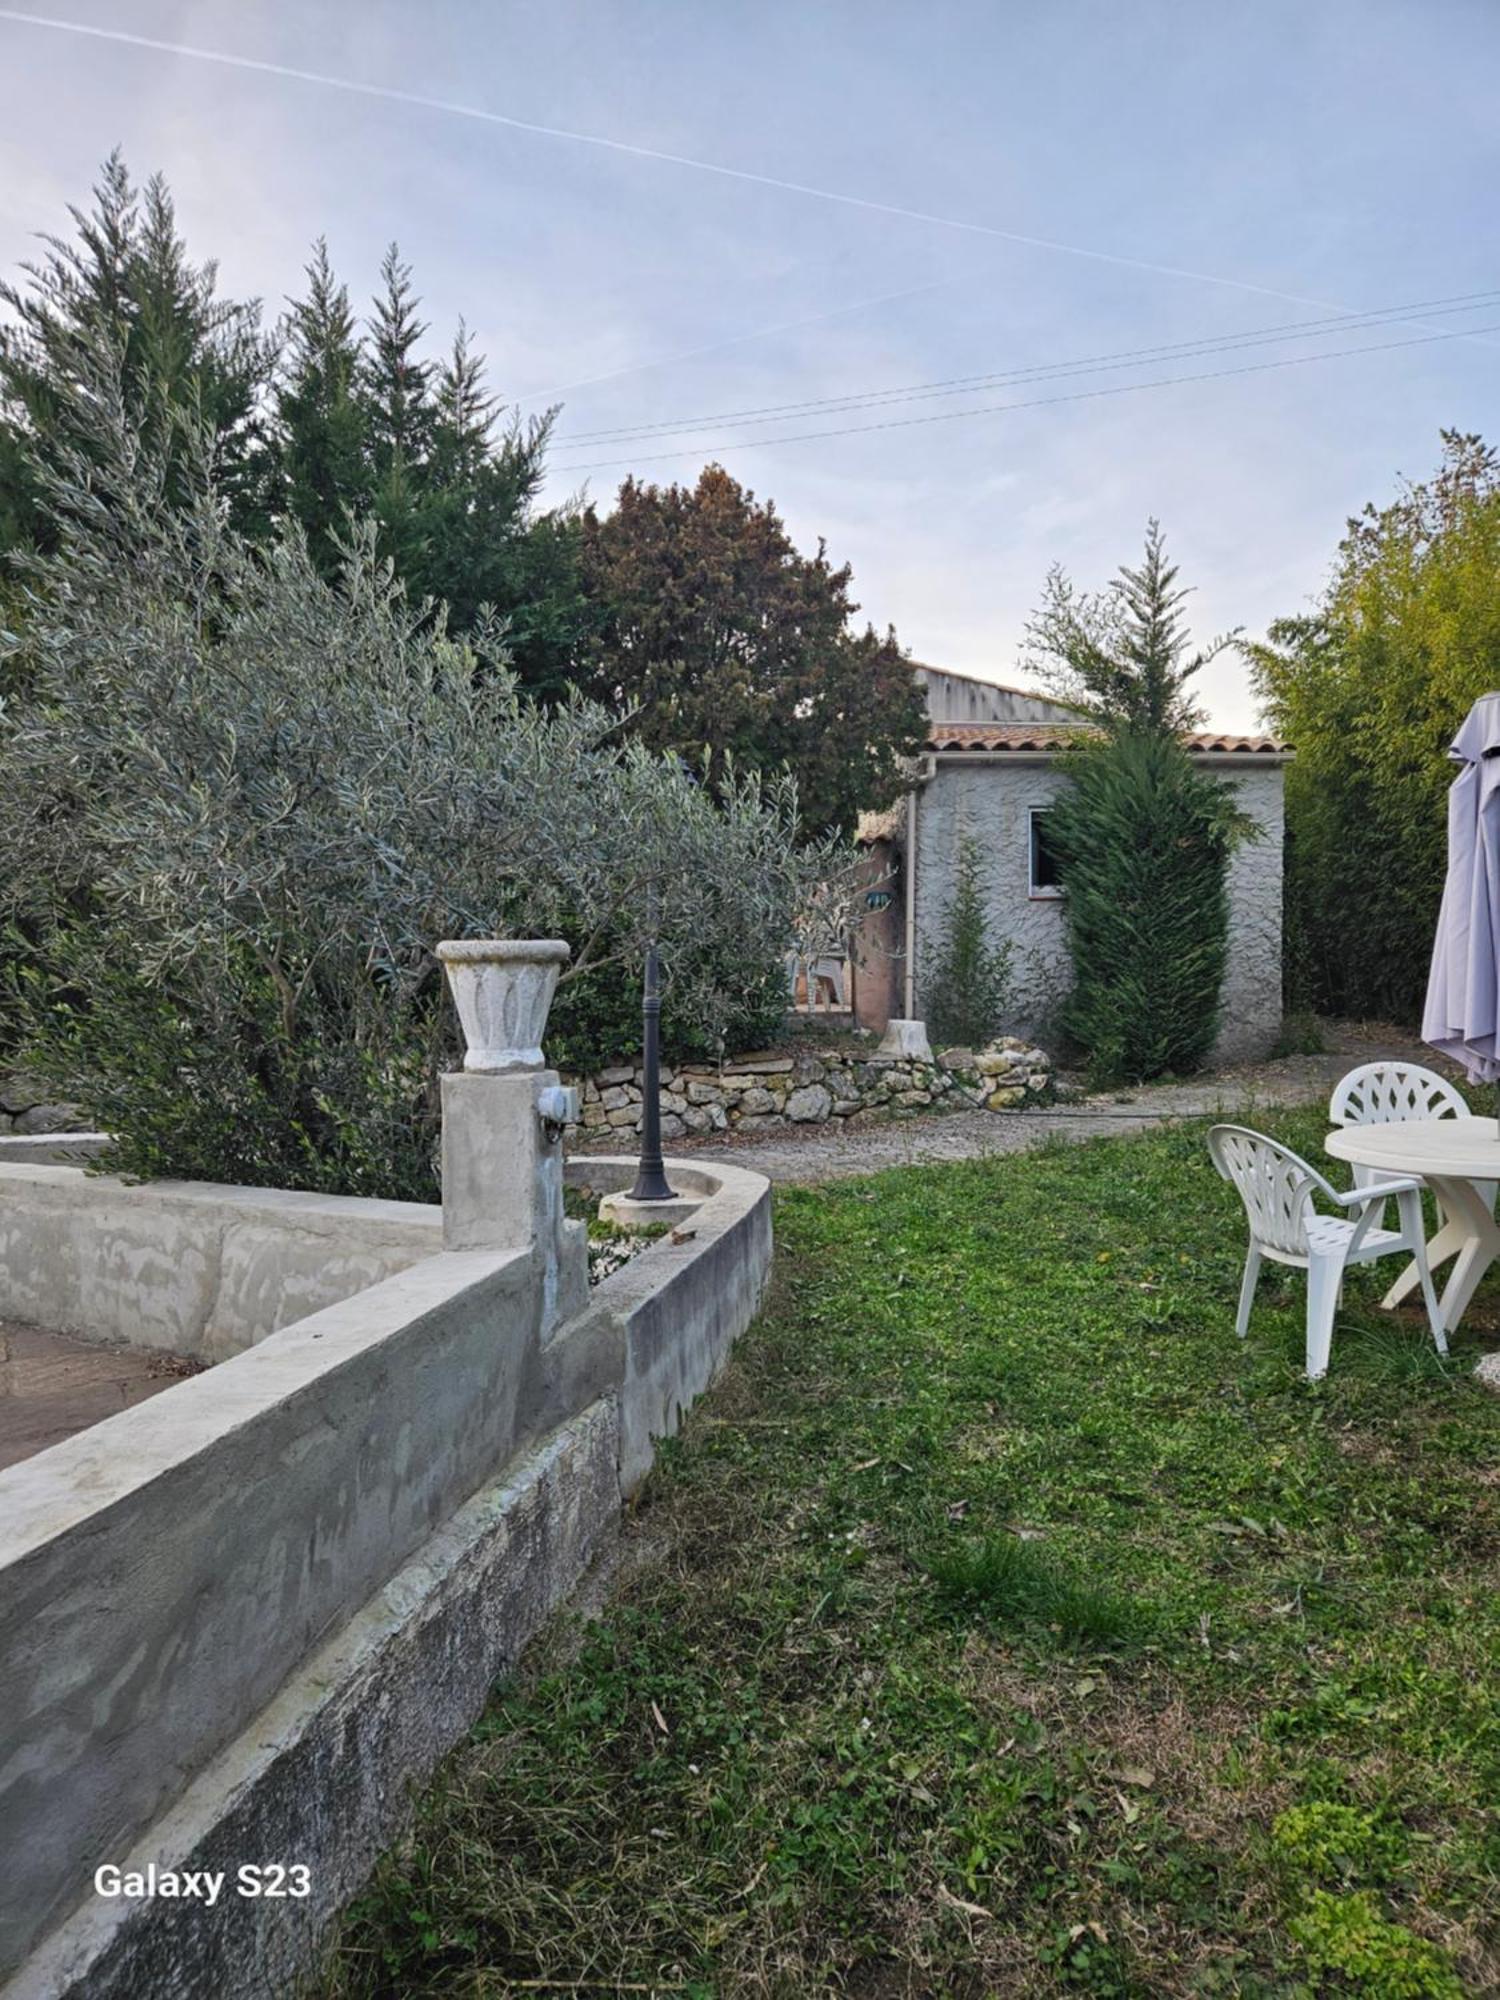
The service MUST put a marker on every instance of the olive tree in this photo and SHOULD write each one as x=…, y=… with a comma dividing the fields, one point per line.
x=242, y=802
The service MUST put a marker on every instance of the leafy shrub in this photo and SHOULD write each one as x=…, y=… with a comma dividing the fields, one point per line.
x=1348, y=1936
x=1143, y=840
x=1371, y=690
x=596, y=1018
x=969, y=978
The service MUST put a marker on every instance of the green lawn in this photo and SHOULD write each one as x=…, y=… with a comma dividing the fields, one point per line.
x=1001, y=1625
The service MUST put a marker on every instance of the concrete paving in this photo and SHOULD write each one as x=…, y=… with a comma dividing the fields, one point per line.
x=52, y=1385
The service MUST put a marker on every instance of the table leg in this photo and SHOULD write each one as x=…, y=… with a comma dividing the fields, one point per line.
x=1468, y=1211
x=1449, y=1240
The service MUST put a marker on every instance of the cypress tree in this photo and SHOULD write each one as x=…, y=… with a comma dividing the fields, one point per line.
x=126, y=277
x=321, y=425
x=1143, y=838
x=967, y=989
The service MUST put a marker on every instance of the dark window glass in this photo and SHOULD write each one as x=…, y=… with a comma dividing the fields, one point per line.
x=1046, y=878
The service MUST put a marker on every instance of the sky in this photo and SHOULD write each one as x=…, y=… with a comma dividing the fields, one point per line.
x=662, y=216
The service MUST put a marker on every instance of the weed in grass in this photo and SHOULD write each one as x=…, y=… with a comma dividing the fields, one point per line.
x=1328, y=1843
x=1016, y=1581
x=1348, y=1937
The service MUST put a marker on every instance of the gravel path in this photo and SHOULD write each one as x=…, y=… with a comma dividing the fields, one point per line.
x=828, y=1152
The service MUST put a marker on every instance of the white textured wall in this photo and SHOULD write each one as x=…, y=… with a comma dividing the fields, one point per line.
x=991, y=802
x=1252, y=984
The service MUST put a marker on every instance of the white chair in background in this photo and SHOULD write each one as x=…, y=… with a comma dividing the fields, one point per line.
x=1277, y=1186
x=1394, y=1093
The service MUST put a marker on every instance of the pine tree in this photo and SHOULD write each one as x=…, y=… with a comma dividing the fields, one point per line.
x=1122, y=655
x=321, y=424
x=969, y=979
x=397, y=383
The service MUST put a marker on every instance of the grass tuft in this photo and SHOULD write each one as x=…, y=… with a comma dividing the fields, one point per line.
x=1012, y=1580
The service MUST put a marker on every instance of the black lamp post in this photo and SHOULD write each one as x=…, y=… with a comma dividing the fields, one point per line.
x=651, y=1177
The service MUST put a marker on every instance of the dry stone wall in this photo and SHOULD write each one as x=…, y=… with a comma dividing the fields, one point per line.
x=766, y=1093
x=25, y=1110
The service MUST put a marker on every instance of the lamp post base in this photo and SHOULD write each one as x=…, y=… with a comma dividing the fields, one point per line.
x=628, y=1211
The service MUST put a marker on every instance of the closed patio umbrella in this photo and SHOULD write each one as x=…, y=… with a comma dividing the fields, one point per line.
x=1462, y=1015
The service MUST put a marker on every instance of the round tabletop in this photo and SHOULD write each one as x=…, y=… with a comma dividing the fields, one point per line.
x=1461, y=1148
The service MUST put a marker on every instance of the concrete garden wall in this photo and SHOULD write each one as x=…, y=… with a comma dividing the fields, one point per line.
x=238, y=1620
x=195, y=1268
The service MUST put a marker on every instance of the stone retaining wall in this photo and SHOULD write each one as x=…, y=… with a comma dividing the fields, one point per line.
x=25, y=1110
x=769, y=1092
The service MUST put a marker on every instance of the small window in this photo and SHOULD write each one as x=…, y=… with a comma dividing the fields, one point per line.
x=1046, y=877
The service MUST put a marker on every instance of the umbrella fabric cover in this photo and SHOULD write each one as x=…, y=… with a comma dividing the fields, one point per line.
x=1462, y=1015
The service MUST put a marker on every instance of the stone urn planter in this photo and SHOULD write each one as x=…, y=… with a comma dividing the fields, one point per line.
x=503, y=991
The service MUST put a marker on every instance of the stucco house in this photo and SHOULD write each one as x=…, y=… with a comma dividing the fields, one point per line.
x=990, y=771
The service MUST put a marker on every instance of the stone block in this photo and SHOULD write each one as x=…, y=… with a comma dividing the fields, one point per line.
x=906, y=1038
x=17, y=1094
x=1005, y=1100
x=624, y=1115
x=809, y=1106
x=704, y=1093
x=614, y=1096
x=621, y=1073
x=996, y=1062
x=756, y=1102
x=910, y=1100
x=760, y=1066
x=50, y=1118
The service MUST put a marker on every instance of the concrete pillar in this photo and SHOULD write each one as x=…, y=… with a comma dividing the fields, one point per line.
x=503, y=1179
x=503, y=1118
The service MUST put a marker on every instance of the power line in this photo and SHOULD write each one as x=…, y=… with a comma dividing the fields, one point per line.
x=1038, y=402
x=958, y=385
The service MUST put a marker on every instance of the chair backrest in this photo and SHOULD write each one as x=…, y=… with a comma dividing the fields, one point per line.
x=1275, y=1184
x=1392, y=1093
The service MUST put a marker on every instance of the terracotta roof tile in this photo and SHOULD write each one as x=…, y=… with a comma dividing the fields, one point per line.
x=1044, y=736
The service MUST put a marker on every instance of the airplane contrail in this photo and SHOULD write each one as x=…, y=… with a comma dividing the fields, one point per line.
x=389, y=94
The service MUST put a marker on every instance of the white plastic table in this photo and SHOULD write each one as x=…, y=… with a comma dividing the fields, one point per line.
x=1450, y=1155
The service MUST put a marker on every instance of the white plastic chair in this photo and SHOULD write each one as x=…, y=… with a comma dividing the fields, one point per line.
x=1393, y=1093
x=1277, y=1185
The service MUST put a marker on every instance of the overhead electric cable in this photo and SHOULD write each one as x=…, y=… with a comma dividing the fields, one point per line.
x=958, y=385
x=1034, y=403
